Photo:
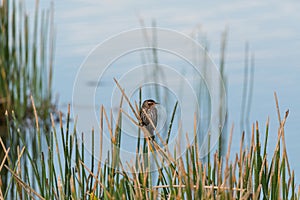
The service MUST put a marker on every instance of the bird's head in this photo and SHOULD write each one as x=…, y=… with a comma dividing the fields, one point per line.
x=149, y=103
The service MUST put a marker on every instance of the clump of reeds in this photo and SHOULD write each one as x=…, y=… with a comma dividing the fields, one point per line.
x=63, y=172
x=26, y=59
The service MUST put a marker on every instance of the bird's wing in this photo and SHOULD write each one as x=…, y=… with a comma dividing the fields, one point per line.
x=144, y=118
x=153, y=116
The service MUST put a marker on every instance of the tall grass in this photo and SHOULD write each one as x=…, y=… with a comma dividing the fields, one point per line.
x=26, y=59
x=63, y=171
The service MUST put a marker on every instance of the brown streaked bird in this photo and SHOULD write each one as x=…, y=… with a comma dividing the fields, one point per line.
x=150, y=109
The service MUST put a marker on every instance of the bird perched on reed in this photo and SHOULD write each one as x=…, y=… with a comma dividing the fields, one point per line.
x=149, y=107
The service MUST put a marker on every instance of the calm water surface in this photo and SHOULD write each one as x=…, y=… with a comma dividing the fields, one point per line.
x=271, y=29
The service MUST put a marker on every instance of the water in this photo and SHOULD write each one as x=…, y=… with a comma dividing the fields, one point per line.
x=272, y=31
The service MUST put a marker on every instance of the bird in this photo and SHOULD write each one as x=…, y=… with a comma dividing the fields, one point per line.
x=149, y=107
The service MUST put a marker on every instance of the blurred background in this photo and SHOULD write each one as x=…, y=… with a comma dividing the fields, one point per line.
x=269, y=31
